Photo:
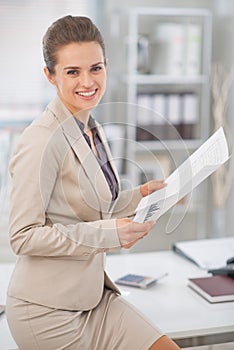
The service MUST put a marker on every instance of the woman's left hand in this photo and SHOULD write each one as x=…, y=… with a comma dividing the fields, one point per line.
x=152, y=186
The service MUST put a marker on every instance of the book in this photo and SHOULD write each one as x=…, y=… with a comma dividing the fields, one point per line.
x=215, y=289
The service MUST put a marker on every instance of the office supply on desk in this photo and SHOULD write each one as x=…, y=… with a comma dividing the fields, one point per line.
x=202, y=163
x=139, y=281
x=215, y=289
x=230, y=260
x=227, y=270
x=208, y=253
x=2, y=309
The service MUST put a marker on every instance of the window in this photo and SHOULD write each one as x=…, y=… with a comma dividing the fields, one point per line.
x=22, y=26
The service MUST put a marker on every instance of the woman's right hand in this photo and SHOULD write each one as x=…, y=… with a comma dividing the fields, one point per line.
x=130, y=232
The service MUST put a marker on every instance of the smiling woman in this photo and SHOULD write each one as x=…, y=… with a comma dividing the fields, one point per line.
x=72, y=212
x=76, y=64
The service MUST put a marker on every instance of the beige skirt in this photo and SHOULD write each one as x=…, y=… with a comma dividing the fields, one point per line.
x=113, y=324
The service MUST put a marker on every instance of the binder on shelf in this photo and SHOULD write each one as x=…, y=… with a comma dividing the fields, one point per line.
x=176, y=49
x=159, y=105
x=215, y=289
x=159, y=116
x=144, y=129
x=189, y=115
x=145, y=101
x=174, y=115
x=168, y=49
x=193, y=49
x=167, y=116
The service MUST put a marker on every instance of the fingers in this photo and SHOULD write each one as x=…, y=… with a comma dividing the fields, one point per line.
x=155, y=185
x=130, y=232
x=142, y=227
x=151, y=186
x=131, y=226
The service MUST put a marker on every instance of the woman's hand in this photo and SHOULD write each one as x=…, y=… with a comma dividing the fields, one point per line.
x=152, y=186
x=130, y=232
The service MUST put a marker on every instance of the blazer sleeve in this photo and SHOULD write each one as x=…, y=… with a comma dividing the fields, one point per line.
x=126, y=203
x=31, y=233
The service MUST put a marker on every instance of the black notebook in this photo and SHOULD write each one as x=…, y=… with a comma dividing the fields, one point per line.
x=215, y=289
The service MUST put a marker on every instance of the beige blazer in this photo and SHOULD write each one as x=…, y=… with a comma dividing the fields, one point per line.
x=61, y=219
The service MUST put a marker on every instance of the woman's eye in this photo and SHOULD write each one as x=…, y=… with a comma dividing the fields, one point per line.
x=73, y=72
x=96, y=68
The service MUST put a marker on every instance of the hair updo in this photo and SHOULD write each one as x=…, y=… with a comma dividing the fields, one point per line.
x=67, y=30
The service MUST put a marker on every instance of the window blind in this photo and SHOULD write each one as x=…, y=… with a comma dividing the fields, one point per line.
x=22, y=26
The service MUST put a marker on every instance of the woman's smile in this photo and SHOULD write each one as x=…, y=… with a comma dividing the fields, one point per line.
x=87, y=94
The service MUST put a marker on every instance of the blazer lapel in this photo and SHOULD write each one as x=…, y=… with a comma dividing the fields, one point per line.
x=108, y=152
x=82, y=150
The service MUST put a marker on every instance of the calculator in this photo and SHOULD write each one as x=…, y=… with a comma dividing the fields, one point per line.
x=139, y=281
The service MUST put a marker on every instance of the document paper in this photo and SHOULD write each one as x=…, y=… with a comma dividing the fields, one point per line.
x=202, y=163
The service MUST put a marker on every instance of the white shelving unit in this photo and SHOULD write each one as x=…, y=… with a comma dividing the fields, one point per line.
x=142, y=154
x=142, y=22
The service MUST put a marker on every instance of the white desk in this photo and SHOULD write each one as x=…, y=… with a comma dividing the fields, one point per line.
x=182, y=314
x=175, y=308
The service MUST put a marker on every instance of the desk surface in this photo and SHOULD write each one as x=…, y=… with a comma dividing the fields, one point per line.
x=175, y=308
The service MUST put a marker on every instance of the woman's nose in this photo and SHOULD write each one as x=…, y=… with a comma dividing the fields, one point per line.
x=86, y=79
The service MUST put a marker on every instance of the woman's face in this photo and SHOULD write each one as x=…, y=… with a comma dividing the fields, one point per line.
x=80, y=75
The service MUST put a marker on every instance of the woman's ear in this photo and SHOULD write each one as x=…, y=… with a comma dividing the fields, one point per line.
x=49, y=76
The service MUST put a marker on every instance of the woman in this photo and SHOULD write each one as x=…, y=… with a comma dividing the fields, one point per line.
x=67, y=211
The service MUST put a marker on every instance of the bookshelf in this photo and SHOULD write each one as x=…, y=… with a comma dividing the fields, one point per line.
x=166, y=84
x=181, y=85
